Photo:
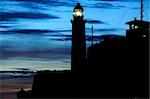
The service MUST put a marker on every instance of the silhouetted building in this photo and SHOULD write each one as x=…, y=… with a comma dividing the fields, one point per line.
x=52, y=84
x=78, y=54
x=24, y=94
x=138, y=30
x=117, y=67
x=107, y=62
x=138, y=55
x=122, y=63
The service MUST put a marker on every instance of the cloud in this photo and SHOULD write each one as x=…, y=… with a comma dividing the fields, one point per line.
x=36, y=5
x=27, y=31
x=95, y=22
x=51, y=55
x=120, y=0
x=61, y=39
x=6, y=16
x=103, y=5
x=88, y=38
x=50, y=3
x=22, y=69
x=106, y=5
x=108, y=29
x=104, y=29
x=64, y=35
x=33, y=31
x=16, y=74
x=4, y=26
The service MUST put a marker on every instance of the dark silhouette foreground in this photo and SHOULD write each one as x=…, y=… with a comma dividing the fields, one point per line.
x=117, y=67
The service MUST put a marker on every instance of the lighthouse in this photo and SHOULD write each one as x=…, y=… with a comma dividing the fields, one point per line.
x=78, y=53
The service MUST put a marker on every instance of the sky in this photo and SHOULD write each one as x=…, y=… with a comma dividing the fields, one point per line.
x=36, y=34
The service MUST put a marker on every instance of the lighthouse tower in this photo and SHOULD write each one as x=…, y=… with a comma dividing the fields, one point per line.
x=78, y=54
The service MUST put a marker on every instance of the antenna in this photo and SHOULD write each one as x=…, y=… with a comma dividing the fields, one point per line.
x=142, y=10
x=92, y=33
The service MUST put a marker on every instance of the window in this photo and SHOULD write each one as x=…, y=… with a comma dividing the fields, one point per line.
x=136, y=27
